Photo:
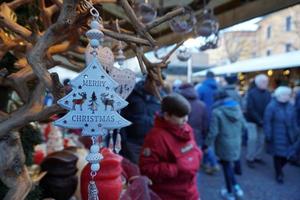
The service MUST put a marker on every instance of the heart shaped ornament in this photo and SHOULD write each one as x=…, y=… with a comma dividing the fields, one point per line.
x=126, y=80
x=104, y=54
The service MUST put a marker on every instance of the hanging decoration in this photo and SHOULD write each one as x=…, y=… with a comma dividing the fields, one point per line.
x=183, y=54
x=120, y=58
x=93, y=103
x=208, y=29
x=145, y=11
x=183, y=23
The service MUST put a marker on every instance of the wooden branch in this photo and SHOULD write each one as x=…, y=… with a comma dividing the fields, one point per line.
x=165, y=18
x=19, y=80
x=45, y=15
x=139, y=55
x=104, y=1
x=165, y=58
x=138, y=26
x=126, y=37
x=56, y=32
x=3, y=116
x=15, y=27
x=64, y=46
x=59, y=3
x=17, y=3
x=32, y=111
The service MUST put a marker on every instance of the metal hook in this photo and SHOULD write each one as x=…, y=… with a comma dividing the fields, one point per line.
x=94, y=12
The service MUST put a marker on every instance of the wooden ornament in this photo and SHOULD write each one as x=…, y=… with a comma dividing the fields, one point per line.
x=126, y=80
x=104, y=55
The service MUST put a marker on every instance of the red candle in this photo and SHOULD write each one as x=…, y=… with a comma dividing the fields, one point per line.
x=38, y=157
x=108, y=178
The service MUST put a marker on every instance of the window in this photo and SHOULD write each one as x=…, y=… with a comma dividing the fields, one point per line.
x=269, y=52
x=288, y=47
x=269, y=30
x=288, y=23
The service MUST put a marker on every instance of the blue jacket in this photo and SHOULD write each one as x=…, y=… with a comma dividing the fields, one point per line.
x=257, y=101
x=206, y=93
x=140, y=112
x=280, y=127
x=297, y=107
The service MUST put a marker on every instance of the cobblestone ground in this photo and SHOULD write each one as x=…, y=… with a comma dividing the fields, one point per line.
x=258, y=183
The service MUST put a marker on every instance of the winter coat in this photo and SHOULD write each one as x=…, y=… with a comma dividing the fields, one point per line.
x=233, y=93
x=226, y=129
x=297, y=107
x=257, y=101
x=206, y=93
x=140, y=112
x=280, y=127
x=198, y=118
x=171, y=159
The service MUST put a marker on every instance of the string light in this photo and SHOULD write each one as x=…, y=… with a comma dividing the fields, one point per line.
x=270, y=72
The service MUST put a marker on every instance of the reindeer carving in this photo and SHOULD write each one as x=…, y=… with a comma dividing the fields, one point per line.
x=107, y=101
x=79, y=101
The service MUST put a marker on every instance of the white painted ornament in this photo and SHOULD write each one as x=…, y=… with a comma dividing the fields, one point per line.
x=93, y=103
x=124, y=77
x=104, y=55
x=126, y=80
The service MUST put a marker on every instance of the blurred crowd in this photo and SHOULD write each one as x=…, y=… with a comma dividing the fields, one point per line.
x=207, y=124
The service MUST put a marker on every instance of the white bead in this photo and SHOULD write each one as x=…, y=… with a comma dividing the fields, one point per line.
x=95, y=167
x=95, y=24
x=95, y=148
x=94, y=43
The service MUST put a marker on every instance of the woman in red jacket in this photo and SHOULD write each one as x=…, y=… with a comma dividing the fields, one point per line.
x=170, y=156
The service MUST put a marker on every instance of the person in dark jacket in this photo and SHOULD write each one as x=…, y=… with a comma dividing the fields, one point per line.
x=257, y=100
x=294, y=150
x=143, y=105
x=198, y=120
x=231, y=88
x=280, y=128
x=225, y=133
x=206, y=91
x=170, y=156
x=297, y=107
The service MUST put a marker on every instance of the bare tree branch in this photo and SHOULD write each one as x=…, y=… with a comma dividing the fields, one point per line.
x=126, y=37
x=15, y=27
x=32, y=111
x=165, y=18
x=55, y=33
x=16, y=3
x=139, y=27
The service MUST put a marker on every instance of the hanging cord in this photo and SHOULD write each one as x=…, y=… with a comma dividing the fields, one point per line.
x=93, y=11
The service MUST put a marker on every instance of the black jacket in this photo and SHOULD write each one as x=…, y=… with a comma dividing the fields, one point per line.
x=140, y=112
x=257, y=101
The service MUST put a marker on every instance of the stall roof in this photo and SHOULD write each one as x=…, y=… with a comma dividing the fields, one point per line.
x=228, y=13
x=279, y=61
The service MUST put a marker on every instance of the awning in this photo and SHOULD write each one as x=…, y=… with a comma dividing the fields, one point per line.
x=279, y=61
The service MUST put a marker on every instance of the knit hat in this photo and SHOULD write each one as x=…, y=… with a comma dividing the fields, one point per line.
x=175, y=104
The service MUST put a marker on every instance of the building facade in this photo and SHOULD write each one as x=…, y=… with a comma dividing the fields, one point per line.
x=277, y=33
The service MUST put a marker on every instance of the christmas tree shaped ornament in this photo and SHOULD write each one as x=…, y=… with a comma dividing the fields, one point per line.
x=93, y=103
